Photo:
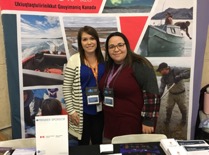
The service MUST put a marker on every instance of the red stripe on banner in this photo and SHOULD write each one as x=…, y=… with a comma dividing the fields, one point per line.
x=132, y=28
x=64, y=6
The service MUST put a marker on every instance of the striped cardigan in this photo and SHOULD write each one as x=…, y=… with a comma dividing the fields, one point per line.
x=73, y=94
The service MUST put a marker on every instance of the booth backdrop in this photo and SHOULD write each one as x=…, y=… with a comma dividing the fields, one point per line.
x=49, y=28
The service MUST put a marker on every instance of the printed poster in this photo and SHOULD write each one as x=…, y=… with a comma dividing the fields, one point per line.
x=40, y=36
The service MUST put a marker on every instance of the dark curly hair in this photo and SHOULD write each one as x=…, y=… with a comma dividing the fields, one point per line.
x=130, y=57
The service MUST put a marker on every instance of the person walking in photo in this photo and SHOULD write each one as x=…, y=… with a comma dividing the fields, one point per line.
x=80, y=88
x=131, y=97
x=173, y=78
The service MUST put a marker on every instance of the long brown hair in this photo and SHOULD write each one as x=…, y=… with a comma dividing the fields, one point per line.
x=91, y=31
x=130, y=57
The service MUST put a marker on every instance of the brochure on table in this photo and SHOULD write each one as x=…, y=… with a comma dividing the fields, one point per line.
x=184, y=147
x=51, y=131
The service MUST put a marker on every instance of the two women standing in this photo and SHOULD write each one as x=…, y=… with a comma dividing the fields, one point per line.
x=128, y=89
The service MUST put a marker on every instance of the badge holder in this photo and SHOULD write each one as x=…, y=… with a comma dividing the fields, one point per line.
x=92, y=94
x=108, y=97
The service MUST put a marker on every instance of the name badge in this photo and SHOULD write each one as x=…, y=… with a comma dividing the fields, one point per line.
x=92, y=94
x=108, y=97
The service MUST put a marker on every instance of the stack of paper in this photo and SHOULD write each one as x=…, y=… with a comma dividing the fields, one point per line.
x=27, y=151
x=184, y=147
x=192, y=143
x=194, y=147
x=179, y=150
x=168, y=143
x=106, y=148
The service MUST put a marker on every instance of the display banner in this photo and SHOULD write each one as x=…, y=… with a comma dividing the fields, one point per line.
x=40, y=36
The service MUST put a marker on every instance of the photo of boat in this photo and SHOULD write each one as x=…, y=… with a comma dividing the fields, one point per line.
x=44, y=68
x=42, y=53
x=163, y=40
x=128, y=6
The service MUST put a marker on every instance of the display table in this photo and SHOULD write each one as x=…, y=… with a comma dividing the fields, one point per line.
x=95, y=149
x=141, y=148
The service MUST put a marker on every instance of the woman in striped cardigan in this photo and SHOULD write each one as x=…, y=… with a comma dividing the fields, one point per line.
x=83, y=71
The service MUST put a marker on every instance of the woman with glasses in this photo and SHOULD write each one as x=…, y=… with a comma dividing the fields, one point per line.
x=80, y=88
x=130, y=91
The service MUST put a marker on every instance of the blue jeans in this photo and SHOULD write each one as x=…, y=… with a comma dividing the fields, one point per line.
x=73, y=141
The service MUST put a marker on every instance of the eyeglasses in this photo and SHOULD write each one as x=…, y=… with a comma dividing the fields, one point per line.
x=119, y=46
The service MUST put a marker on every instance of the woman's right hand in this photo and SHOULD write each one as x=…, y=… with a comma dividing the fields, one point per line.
x=75, y=118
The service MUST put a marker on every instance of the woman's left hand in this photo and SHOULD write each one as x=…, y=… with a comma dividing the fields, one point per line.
x=147, y=129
